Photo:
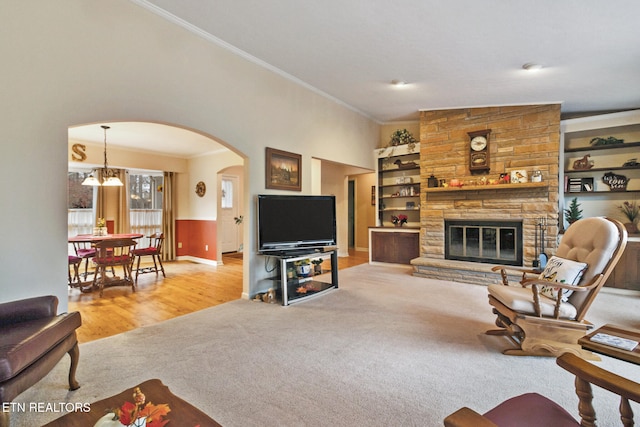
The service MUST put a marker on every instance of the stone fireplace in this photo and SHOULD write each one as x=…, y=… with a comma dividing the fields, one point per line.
x=522, y=138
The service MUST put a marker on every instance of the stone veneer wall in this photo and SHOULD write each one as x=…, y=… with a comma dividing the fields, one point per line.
x=522, y=137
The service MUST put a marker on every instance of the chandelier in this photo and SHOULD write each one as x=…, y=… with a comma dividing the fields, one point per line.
x=103, y=176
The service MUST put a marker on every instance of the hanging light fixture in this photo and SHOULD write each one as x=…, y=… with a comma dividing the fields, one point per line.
x=108, y=176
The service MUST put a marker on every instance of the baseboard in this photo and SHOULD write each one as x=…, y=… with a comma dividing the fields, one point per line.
x=198, y=260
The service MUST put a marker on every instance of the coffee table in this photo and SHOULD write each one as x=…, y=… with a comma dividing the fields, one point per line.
x=182, y=413
x=632, y=356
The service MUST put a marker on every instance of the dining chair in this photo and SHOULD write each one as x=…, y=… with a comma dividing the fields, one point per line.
x=74, y=262
x=154, y=250
x=112, y=253
x=86, y=251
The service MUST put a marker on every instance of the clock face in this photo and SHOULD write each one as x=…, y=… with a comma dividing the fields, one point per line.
x=478, y=143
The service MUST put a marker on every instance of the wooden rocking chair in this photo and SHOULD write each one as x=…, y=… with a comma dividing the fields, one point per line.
x=542, y=326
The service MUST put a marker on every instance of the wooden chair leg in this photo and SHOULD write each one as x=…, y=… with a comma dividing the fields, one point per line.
x=161, y=266
x=76, y=272
x=138, y=268
x=155, y=265
x=74, y=353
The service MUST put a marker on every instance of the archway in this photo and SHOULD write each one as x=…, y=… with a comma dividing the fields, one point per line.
x=193, y=156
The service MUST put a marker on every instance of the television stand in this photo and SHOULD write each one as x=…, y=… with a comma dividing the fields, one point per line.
x=296, y=285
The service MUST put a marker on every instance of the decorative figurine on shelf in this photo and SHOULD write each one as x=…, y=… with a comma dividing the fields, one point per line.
x=399, y=220
x=583, y=163
x=405, y=165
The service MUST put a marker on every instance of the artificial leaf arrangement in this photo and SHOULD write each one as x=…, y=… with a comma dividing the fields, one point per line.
x=597, y=141
x=141, y=413
x=631, y=210
x=401, y=137
x=101, y=222
x=399, y=219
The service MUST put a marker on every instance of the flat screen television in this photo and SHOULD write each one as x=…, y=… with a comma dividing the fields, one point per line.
x=295, y=223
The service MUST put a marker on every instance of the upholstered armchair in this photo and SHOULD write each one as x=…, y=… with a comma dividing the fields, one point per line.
x=33, y=339
x=535, y=410
x=544, y=315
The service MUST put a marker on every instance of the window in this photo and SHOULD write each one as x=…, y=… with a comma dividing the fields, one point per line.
x=80, y=196
x=79, y=204
x=146, y=191
x=227, y=194
x=146, y=202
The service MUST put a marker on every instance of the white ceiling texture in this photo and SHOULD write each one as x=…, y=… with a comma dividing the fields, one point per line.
x=451, y=54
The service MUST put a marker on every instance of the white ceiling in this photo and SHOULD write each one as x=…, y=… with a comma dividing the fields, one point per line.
x=452, y=54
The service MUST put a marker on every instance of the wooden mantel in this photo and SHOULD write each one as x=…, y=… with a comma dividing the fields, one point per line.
x=488, y=187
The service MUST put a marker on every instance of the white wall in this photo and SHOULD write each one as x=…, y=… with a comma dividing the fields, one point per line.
x=87, y=61
x=205, y=169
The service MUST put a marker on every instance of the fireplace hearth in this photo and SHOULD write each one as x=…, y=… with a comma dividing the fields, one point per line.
x=498, y=242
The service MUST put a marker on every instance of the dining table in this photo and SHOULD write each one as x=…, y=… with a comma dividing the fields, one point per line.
x=87, y=285
x=92, y=238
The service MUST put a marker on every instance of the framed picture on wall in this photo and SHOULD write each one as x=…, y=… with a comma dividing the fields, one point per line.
x=283, y=170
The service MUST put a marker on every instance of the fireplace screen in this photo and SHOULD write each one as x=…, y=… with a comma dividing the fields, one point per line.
x=498, y=242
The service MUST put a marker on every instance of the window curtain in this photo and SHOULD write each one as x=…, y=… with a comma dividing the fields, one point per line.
x=168, y=217
x=123, y=223
x=98, y=205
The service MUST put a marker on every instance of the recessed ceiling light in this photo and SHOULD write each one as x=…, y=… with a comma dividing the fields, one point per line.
x=398, y=82
x=532, y=66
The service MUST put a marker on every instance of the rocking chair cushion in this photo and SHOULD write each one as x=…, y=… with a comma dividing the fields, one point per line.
x=520, y=299
x=562, y=271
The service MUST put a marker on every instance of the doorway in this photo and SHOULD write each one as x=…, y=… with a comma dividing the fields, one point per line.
x=351, y=213
x=229, y=214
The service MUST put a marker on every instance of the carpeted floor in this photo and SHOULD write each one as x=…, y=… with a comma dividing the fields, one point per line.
x=386, y=349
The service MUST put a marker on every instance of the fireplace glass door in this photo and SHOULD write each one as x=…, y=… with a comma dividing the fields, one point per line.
x=484, y=241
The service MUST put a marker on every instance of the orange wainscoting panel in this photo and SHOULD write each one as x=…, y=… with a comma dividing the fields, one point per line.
x=196, y=237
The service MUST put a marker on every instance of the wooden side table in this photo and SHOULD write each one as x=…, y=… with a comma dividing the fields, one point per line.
x=632, y=356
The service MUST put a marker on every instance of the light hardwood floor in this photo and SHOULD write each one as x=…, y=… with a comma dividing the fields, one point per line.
x=188, y=287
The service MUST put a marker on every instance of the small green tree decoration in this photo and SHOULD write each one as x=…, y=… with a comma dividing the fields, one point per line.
x=573, y=213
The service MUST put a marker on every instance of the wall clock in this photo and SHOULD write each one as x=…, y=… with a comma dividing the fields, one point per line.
x=479, y=160
x=201, y=189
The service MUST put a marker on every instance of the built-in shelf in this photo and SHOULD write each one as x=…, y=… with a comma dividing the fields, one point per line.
x=498, y=187
x=589, y=193
x=602, y=147
x=621, y=168
x=413, y=168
